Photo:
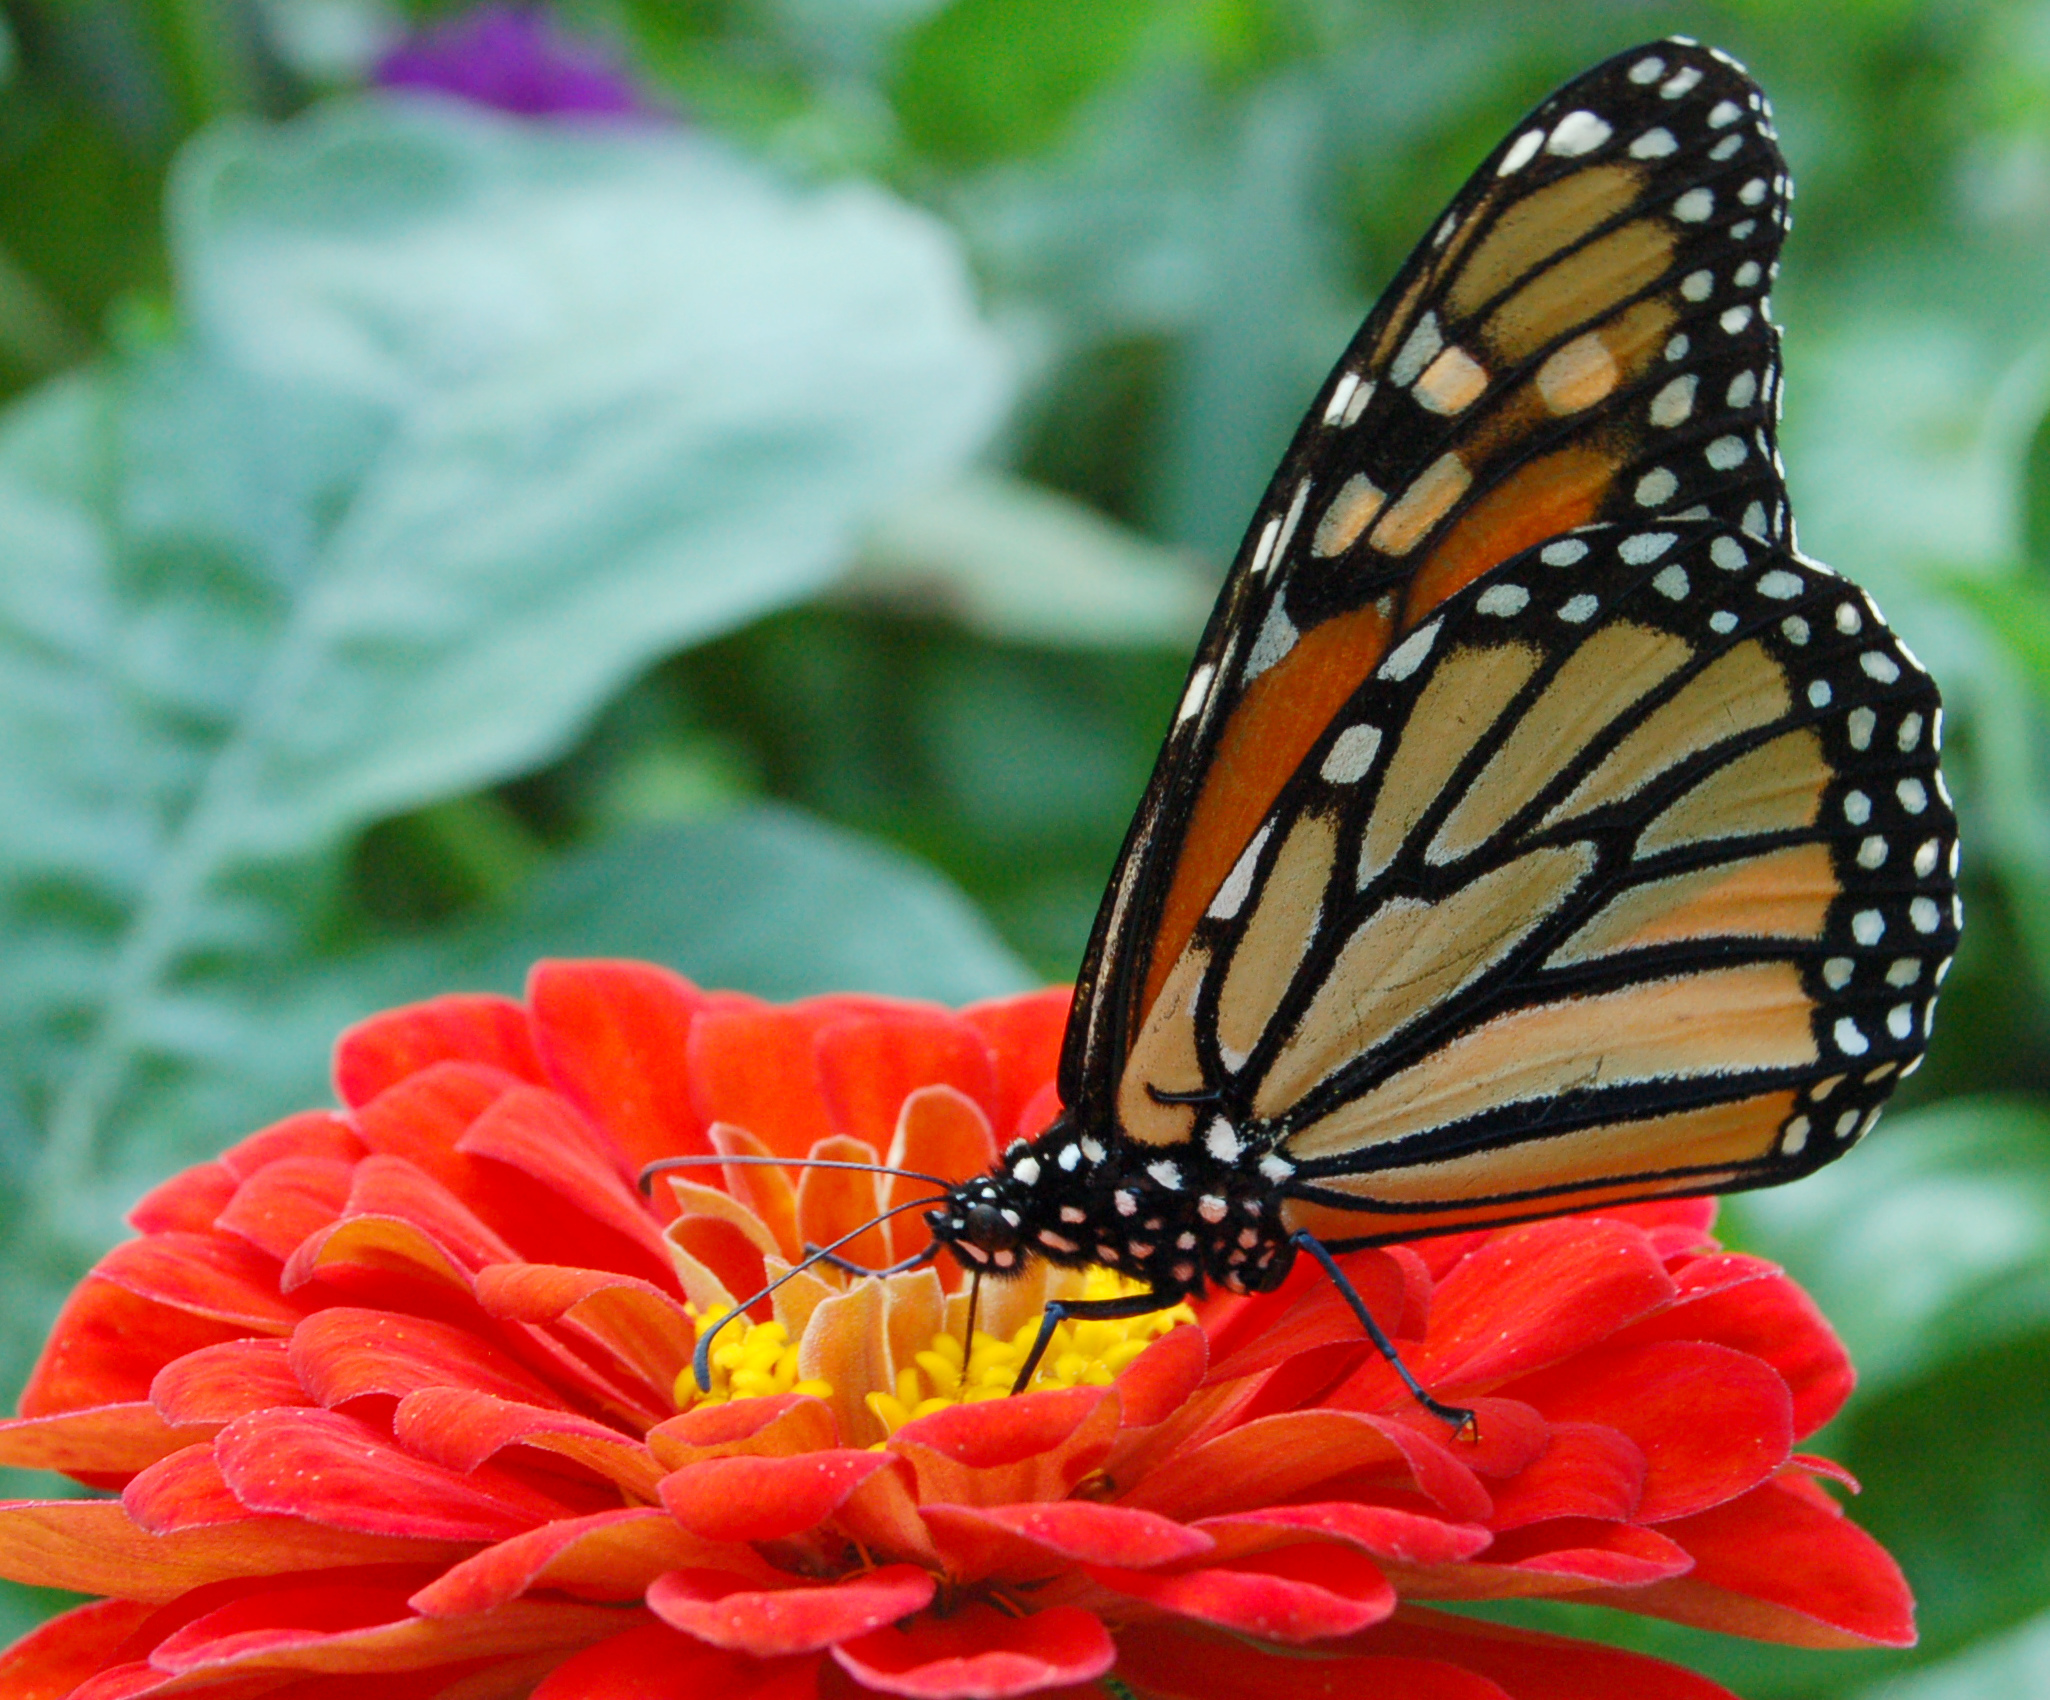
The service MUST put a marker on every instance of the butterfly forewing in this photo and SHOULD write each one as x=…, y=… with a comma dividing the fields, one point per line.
x=1583, y=336
x=1628, y=872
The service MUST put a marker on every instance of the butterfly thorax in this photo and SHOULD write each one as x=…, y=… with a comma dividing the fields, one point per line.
x=1178, y=1219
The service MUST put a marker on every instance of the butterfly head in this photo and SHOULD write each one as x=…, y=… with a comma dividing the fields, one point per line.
x=982, y=1224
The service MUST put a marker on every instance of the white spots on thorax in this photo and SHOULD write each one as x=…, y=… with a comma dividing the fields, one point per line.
x=1656, y=486
x=1910, y=733
x=1674, y=402
x=1672, y=582
x=1642, y=548
x=1418, y=350
x=1521, y=153
x=1924, y=916
x=1647, y=70
x=1503, y=600
x=1125, y=1202
x=1654, y=144
x=1211, y=1208
x=1577, y=133
x=1851, y=1040
x=1238, y=884
x=1073, y=1215
x=1351, y=754
x=1092, y=1148
x=1872, y=853
x=1277, y=637
x=1729, y=554
x=1868, y=927
x=1726, y=453
x=1723, y=114
x=1735, y=319
x=1349, y=398
x=1199, y=689
x=1753, y=192
x=1026, y=1171
x=1680, y=82
x=1578, y=609
x=1746, y=275
x=1743, y=390
x=1166, y=1173
x=1857, y=808
x=1780, y=585
x=1836, y=974
x=1069, y=1158
x=1863, y=722
x=1819, y=693
x=1694, y=206
x=1407, y=656
x=1564, y=553
x=1913, y=795
x=1878, y=665
x=1057, y=1242
x=1276, y=1168
x=1794, y=629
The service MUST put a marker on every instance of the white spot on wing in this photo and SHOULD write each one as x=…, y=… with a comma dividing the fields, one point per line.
x=1193, y=697
x=1407, y=656
x=1231, y=895
x=1577, y=133
x=1352, y=752
x=1419, y=349
x=1503, y=599
x=1520, y=155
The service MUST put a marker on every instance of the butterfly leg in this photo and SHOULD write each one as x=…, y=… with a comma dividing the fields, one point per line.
x=1087, y=1310
x=1458, y=1416
x=917, y=1260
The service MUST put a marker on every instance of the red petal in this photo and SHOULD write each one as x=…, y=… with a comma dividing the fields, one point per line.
x=1009, y=1451
x=1403, y=1536
x=980, y=1654
x=461, y=1429
x=420, y=1118
x=1777, y=1567
x=1039, y=1112
x=189, y=1200
x=51, y=1660
x=344, y=1353
x=610, y=1555
x=1581, y=1551
x=774, y=1623
x=765, y=1499
x=107, y=1346
x=310, y=1133
x=869, y=1065
x=1748, y=1304
x=183, y=1491
x=208, y=1275
x=754, y=1066
x=1319, y=1316
x=1024, y=1036
x=1531, y=1666
x=1030, y=1541
x=1588, y=1471
x=1536, y=1295
x=940, y=1131
x=217, y=1384
x=653, y=1662
x=375, y=1055
x=1156, y=1383
x=1307, y=1592
x=1264, y=1461
x=332, y=1469
x=591, y=1214
x=1177, y=1662
x=765, y=1190
x=101, y=1441
x=613, y=1035
x=1690, y=1215
x=399, y=1188
x=1712, y=1423
x=644, y=1328
x=91, y=1546
x=276, y=1208
x=776, y=1427
x=835, y=1202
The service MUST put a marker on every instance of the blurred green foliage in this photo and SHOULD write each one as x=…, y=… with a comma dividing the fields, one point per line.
x=767, y=539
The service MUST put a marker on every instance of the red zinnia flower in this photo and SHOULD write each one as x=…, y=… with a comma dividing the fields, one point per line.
x=400, y=1392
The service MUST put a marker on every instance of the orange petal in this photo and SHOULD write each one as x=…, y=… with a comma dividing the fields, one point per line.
x=100, y=1440
x=217, y=1384
x=276, y=1208
x=54, y=1658
x=107, y=1345
x=1007, y=1451
x=344, y=1353
x=462, y=1429
x=832, y=1203
x=375, y=1055
x=868, y=1066
x=1024, y=1036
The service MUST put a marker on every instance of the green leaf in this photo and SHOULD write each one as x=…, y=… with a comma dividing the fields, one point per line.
x=1018, y=563
x=474, y=421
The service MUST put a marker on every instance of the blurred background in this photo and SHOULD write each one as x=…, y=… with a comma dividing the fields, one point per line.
x=735, y=482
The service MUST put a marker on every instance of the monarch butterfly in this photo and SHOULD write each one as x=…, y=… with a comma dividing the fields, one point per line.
x=1538, y=829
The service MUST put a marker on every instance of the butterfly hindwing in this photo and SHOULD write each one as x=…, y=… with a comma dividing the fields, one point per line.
x=1583, y=336
x=1628, y=872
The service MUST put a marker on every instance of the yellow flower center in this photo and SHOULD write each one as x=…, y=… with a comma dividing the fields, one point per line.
x=753, y=1359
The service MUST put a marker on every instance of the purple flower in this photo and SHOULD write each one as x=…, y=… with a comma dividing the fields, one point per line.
x=513, y=58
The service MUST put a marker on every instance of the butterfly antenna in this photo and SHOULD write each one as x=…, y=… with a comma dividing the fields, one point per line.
x=701, y=1359
x=647, y=1176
